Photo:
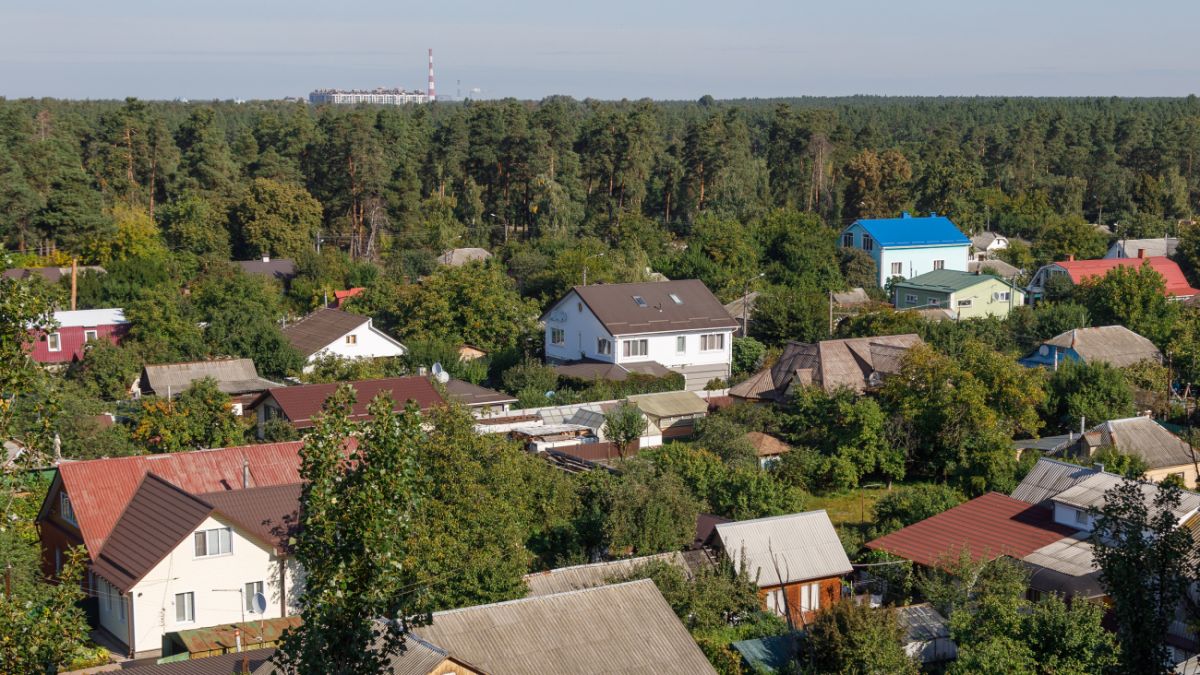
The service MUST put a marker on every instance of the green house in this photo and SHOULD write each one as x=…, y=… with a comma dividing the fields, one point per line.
x=965, y=294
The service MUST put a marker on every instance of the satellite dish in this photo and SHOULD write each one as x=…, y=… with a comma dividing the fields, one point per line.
x=440, y=374
x=438, y=369
x=259, y=603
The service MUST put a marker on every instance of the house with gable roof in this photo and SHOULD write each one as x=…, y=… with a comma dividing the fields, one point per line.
x=909, y=246
x=1075, y=272
x=330, y=331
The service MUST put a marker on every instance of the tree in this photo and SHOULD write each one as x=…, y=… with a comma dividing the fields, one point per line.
x=107, y=370
x=878, y=184
x=848, y=637
x=44, y=628
x=648, y=511
x=748, y=355
x=849, y=431
x=23, y=311
x=624, y=425
x=196, y=224
x=356, y=510
x=276, y=219
x=783, y=313
x=912, y=504
x=1134, y=297
x=1087, y=391
x=135, y=236
x=1143, y=554
x=200, y=417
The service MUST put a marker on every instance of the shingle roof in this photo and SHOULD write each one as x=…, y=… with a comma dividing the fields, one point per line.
x=473, y=395
x=802, y=545
x=909, y=231
x=279, y=268
x=830, y=364
x=622, y=629
x=303, y=403
x=988, y=527
x=271, y=514
x=1145, y=438
x=319, y=329
x=156, y=519
x=579, y=577
x=947, y=281
x=1176, y=283
x=1115, y=345
x=1089, y=494
x=224, y=664
x=1047, y=478
x=233, y=376
x=616, y=307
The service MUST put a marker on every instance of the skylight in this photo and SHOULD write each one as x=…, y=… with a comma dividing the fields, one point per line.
x=641, y=302
x=676, y=299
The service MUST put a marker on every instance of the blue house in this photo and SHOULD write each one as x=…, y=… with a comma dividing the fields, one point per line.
x=907, y=247
x=1115, y=345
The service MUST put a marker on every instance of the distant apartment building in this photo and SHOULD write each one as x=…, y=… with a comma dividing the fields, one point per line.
x=378, y=96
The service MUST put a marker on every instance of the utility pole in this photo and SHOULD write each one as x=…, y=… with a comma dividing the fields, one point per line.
x=8, y=580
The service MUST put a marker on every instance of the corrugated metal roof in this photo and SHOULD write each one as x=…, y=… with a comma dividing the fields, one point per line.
x=988, y=527
x=89, y=318
x=802, y=545
x=1115, y=345
x=947, y=281
x=622, y=629
x=303, y=403
x=1176, y=283
x=473, y=395
x=1066, y=567
x=99, y=489
x=225, y=664
x=616, y=307
x=319, y=329
x=579, y=577
x=223, y=637
x=910, y=231
x=1147, y=439
x=233, y=376
x=670, y=404
x=1049, y=477
x=1089, y=494
x=1151, y=248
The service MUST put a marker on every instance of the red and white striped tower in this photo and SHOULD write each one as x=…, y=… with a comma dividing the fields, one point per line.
x=432, y=90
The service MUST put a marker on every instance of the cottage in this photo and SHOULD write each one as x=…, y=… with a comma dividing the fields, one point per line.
x=767, y=449
x=1073, y=272
x=1164, y=453
x=300, y=405
x=1143, y=248
x=964, y=294
x=985, y=245
x=75, y=329
x=1115, y=345
x=329, y=331
x=236, y=377
x=673, y=413
x=340, y=297
x=856, y=363
x=997, y=268
x=906, y=246
x=478, y=398
x=797, y=561
x=675, y=325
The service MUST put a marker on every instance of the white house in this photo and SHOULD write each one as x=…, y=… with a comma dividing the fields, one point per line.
x=329, y=331
x=985, y=244
x=177, y=561
x=1143, y=248
x=907, y=247
x=679, y=325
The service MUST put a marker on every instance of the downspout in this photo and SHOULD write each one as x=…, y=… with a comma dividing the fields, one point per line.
x=283, y=586
x=128, y=600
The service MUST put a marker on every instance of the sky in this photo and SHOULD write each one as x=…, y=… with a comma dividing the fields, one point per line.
x=661, y=49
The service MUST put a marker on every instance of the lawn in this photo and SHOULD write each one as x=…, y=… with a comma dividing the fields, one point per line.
x=845, y=508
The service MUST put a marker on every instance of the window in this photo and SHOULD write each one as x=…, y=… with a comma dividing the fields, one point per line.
x=712, y=343
x=558, y=337
x=217, y=541
x=579, y=306
x=90, y=334
x=1002, y=296
x=848, y=240
x=251, y=589
x=121, y=606
x=868, y=243
x=1081, y=516
x=636, y=347
x=54, y=342
x=897, y=269
x=351, y=339
x=810, y=597
x=934, y=302
x=65, y=510
x=910, y=298
x=641, y=302
x=57, y=560
x=680, y=344
x=185, y=607
x=939, y=264
x=964, y=303
x=604, y=346
x=775, y=602
x=675, y=299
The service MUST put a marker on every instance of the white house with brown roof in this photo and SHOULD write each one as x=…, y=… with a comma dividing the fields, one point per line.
x=330, y=331
x=679, y=325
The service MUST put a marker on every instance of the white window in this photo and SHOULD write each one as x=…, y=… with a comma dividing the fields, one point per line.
x=675, y=299
x=939, y=264
x=636, y=347
x=897, y=269
x=185, y=607
x=680, y=344
x=90, y=334
x=910, y=298
x=351, y=339
x=964, y=303
x=868, y=243
x=604, y=346
x=558, y=337
x=712, y=343
x=1081, y=516
x=65, y=510
x=775, y=602
x=217, y=541
x=848, y=240
x=810, y=597
x=251, y=589
x=1002, y=296
x=641, y=302
x=54, y=342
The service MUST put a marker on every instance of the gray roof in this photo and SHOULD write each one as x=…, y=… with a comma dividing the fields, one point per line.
x=1128, y=248
x=622, y=628
x=1049, y=477
x=279, y=268
x=580, y=577
x=1089, y=494
x=233, y=376
x=1067, y=566
x=1048, y=444
x=802, y=545
x=670, y=404
x=985, y=239
x=317, y=330
x=830, y=364
x=743, y=303
x=854, y=296
x=1115, y=345
x=418, y=658
x=922, y=623
x=224, y=664
x=1000, y=267
x=456, y=257
x=1145, y=438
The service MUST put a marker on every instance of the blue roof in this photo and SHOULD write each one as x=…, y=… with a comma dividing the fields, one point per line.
x=910, y=231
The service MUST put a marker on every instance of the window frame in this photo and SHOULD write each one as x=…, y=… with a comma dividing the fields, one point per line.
x=636, y=347
x=210, y=535
x=964, y=303
x=1081, y=517
x=706, y=342
x=680, y=344
x=66, y=510
x=352, y=339
x=189, y=607
x=868, y=242
x=939, y=264
x=249, y=596
x=558, y=337
x=604, y=346
x=91, y=334
x=911, y=299
x=897, y=269
x=810, y=597
x=54, y=341
x=848, y=240
x=934, y=302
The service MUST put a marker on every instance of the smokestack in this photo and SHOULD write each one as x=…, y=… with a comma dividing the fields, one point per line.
x=74, y=281
x=432, y=90
x=245, y=473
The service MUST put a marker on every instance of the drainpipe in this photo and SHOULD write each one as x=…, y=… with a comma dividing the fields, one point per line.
x=127, y=598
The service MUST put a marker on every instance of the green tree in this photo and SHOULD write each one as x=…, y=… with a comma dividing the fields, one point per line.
x=276, y=219
x=648, y=511
x=45, y=628
x=1091, y=391
x=200, y=417
x=196, y=224
x=1132, y=297
x=850, y=638
x=748, y=355
x=624, y=425
x=107, y=371
x=22, y=307
x=849, y=431
x=912, y=504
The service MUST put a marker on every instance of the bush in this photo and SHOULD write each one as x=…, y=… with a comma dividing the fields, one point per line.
x=907, y=505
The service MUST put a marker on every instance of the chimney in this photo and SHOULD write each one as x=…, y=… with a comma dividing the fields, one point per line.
x=245, y=473
x=1141, y=253
x=1070, y=257
x=1074, y=335
x=266, y=257
x=905, y=214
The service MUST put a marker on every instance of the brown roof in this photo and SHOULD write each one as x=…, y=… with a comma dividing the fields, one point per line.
x=301, y=404
x=988, y=526
x=225, y=664
x=319, y=329
x=600, y=370
x=158, y=517
x=617, y=309
x=765, y=445
x=831, y=364
x=473, y=395
x=270, y=514
x=706, y=527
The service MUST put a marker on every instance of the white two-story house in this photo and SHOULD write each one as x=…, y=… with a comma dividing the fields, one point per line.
x=909, y=246
x=675, y=325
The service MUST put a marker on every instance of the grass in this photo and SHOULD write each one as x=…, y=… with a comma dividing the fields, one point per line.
x=848, y=508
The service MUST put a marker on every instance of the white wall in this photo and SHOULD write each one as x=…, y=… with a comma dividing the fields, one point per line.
x=369, y=343
x=181, y=571
x=1066, y=515
x=918, y=260
x=662, y=349
x=581, y=329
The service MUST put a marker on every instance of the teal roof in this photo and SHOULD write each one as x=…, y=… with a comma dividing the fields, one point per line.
x=948, y=281
x=931, y=230
x=771, y=654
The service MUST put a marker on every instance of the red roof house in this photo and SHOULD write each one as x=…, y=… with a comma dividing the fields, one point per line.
x=1081, y=270
x=341, y=296
x=75, y=329
x=989, y=526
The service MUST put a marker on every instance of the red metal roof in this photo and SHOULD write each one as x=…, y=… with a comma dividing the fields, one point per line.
x=302, y=403
x=100, y=489
x=1177, y=284
x=988, y=526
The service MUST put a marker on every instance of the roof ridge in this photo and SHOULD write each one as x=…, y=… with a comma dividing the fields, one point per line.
x=569, y=568
x=578, y=591
x=770, y=518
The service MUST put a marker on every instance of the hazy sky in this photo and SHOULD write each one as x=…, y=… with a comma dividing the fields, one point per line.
x=204, y=49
